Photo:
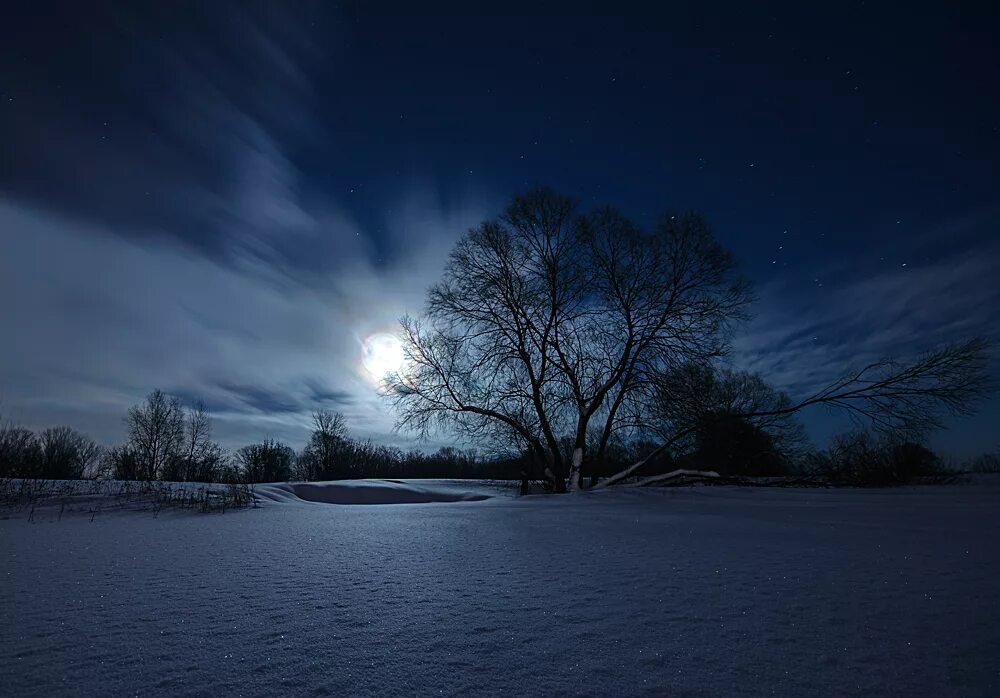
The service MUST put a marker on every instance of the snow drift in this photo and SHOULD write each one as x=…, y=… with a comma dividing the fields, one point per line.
x=371, y=492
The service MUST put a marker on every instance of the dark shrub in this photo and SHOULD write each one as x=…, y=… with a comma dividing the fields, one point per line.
x=268, y=461
x=865, y=460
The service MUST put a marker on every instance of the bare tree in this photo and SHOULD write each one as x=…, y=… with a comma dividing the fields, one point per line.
x=901, y=397
x=156, y=434
x=322, y=458
x=688, y=394
x=547, y=320
x=717, y=411
x=198, y=434
x=121, y=463
x=199, y=458
x=20, y=453
x=268, y=461
x=66, y=454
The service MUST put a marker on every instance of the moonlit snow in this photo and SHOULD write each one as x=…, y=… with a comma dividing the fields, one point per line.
x=687, y=591
x=374, y=492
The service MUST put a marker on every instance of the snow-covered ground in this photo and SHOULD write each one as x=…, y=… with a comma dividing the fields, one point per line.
x=695, y=591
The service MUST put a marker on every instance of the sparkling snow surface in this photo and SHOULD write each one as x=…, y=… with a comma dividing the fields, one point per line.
x=699, y=591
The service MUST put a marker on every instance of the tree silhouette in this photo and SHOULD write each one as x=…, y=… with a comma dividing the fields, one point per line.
x=66, y=454
x=548, y=321
x=900, y=398
x=268, y=461
x=155, y=431
x=549, y=325
x=323, y=458
x=20, y=452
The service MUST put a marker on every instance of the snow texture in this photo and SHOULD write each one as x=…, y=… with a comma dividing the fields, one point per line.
x=687, y=591
x=372, y=492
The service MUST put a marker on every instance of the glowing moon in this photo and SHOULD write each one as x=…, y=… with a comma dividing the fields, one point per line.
x=382, y=353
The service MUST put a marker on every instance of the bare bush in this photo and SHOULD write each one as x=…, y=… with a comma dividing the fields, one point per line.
x=46, y=499
x=20, y=452
x=268, y=461
x=876, y=460
x=66, y=454
x=985, y=463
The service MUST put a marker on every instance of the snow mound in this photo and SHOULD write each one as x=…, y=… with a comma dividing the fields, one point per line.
x=367, y=492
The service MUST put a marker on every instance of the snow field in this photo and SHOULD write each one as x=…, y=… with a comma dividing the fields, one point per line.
x=688, y=591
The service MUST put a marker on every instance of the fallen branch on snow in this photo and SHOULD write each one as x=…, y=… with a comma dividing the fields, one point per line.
x=680, y=472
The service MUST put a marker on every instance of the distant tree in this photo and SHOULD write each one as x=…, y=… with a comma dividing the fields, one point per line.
x=198, y=458
x=323, y=458
x=197, y=447
x=268, y=461
x=737, y=447
x=866, y=459
x=903, y=400
x=209, y=466
x=985, y=463
x=66, y=454
x=366, y=459
x=155, y=434
x=122, y=463
x=716, y=407
x=20, y=452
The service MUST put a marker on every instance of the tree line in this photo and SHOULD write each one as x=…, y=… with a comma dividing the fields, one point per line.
x=167, y=441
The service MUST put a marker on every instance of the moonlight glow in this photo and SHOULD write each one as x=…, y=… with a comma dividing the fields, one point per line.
x=382, y=353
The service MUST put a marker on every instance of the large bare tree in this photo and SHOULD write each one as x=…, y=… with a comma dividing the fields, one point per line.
x=548, y=322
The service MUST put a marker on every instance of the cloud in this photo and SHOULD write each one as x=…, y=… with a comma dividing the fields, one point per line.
x=180, y=245
x=187, y=129
x=802, y=337
x=97, y=320
x=798, y=337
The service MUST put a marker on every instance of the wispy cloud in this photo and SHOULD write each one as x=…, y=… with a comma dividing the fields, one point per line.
x=194, y=255
x=799, y=338
x=96, y=321
x=802, y=339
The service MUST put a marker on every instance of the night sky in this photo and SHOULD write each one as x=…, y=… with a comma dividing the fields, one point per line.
x=222, y=200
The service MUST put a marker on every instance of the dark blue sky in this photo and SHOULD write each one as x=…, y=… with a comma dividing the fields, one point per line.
x=219, y=199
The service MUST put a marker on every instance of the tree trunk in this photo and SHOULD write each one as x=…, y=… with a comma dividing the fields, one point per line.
x=574, y=469
x=558, y=483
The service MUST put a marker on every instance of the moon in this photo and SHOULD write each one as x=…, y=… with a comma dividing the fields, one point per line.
x=382, y=354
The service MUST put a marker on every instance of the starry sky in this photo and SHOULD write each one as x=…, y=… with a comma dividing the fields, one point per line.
x=221, y=199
